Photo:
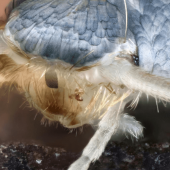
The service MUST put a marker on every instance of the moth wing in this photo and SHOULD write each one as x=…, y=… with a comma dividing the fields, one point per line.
x=150, y=23
x=68, y=29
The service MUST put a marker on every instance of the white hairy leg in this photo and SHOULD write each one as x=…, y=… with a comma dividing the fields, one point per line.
x=134, y=78
x=129, y=128
x=107, y=127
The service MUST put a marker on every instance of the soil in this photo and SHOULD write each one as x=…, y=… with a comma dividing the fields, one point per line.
x=117, y=156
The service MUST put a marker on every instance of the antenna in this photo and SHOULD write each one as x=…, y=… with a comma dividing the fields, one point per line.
x=126, y=12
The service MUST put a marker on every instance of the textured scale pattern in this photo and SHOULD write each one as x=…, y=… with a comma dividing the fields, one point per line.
x=150, y=23
x=68, y=29
x=71, y=29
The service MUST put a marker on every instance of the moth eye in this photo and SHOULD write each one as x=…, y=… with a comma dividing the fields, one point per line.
x=136, y=60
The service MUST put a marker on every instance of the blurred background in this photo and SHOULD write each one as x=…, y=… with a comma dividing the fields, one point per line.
x=18, y=122
x=3, y=4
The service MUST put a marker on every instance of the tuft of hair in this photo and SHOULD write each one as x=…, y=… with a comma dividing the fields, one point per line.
x=129, y=127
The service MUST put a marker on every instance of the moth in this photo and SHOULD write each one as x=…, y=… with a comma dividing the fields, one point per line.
x=81, y=61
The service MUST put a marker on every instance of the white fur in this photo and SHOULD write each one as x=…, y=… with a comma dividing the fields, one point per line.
x=107, y=127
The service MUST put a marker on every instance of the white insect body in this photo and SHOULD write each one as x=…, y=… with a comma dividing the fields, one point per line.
x=73, y=94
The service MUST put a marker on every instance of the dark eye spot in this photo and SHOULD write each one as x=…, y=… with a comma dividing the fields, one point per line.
x=136, y=60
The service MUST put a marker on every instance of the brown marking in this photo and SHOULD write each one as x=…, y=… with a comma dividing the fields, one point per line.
x=74, y=122
x=2, y=61
x=2, y=25
x=122, y=86
x=84, y=68
x=110, y=88
x=78, y=98
x=78, y=94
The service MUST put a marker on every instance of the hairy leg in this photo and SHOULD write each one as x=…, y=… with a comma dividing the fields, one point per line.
x=129, y=128
x=136, y=79
x=107, y=127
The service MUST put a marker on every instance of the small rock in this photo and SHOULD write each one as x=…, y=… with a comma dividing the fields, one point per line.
x=106, y=153
x=13, y=150
x=153, y=167
x=129, y=158
x=147, y=145
x=57, y=155
x=2, y=146
x=165, y=145
x=38, y=161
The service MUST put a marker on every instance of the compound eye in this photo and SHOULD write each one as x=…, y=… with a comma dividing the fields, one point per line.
x=51, y=77
x=136, y=60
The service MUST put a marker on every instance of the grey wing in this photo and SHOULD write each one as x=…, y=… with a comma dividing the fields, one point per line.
x=68, y=29
x=150, y=23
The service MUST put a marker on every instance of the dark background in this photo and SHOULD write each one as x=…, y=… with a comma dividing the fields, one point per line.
x=3, y=4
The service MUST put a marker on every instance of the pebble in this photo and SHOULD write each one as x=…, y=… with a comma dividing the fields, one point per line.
x=57, y=155
x=107, y=153
x=13, y=150
x=129, y=158
x=146, y=144
x=2, y=146
x=39, y=161
x=165, y=145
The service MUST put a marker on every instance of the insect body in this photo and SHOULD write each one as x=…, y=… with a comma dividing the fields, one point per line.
x=75, y=66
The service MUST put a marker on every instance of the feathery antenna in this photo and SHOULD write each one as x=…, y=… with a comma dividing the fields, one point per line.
x=126, y=12
x=81, y=59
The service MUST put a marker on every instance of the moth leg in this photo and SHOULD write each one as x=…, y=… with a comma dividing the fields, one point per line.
x=129, y=128
x=107, y=127
x=136, y=79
